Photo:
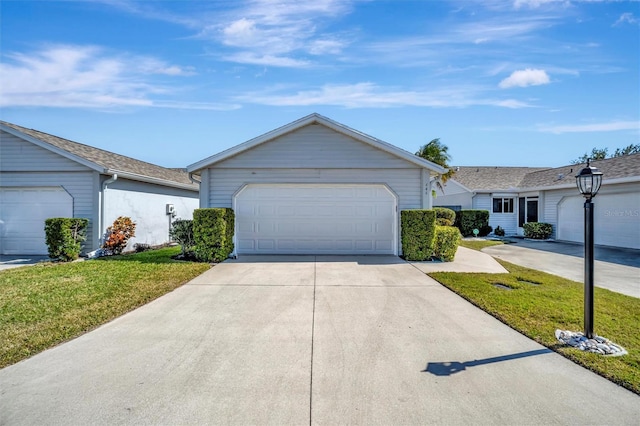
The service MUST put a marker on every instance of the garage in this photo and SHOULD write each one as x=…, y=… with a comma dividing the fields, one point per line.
x=616, y=219
x=316, y=219
x=22, y=215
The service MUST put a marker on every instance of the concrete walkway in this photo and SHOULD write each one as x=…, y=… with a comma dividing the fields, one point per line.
x=614, y=269
x=308, y=340
x=10, y=261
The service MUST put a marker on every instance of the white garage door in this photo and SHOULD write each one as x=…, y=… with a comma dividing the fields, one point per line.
x=316, y=219
x=616, y=219
x=22, y=215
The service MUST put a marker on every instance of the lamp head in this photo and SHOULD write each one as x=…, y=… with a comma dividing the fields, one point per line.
x=589, y=180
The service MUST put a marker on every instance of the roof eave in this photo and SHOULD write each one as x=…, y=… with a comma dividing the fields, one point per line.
x=149, y=179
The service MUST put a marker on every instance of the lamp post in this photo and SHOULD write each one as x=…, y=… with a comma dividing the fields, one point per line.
x=588, y=181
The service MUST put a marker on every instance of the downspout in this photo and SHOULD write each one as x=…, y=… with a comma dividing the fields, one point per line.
x=193, y=179
x=109, y=181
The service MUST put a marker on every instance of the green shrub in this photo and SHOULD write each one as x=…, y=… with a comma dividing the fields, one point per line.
x=417, y=233
x=444, y=216
x=64, y=237
x=182, y=232
x=499, y=231
x=537, y=230
x=468, y=220
x=118, y=235
x=213, y=233
x=446, y=243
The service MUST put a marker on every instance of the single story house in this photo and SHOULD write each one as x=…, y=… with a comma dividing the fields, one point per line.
x=316, y=186
x=516, y=195
x=44, y=176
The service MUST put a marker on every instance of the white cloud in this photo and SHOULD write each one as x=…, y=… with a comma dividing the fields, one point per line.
x=370, y=95
x=626, y=18
x=87, y=77
x=592, y=127
x=266, y=60
x=524, y=78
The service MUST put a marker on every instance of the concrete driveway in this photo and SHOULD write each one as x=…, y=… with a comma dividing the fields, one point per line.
x=308, y=340
x=615, y=269
x=10, y=261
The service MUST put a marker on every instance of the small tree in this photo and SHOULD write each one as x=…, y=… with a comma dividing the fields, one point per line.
x=437, y=153
x=118, y=235
x=182, y=233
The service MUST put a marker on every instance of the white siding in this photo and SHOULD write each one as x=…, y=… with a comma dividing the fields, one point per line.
x=79, y=185
x=146, y=204
x=482, y=202
x=19, y=155
x=223, y=183
x=314, y=146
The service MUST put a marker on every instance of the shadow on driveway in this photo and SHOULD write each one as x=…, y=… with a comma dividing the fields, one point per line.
x=452, y=367
x=620, y=256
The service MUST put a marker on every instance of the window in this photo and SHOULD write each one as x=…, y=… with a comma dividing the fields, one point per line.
x=503, y=205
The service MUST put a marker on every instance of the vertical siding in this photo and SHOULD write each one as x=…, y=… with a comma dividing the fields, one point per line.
x=19, y=155
x=79, y=185
x=314, y=146
x=482, y=202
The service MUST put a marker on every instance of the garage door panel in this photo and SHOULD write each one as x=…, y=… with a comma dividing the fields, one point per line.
x=616, y=220
x=22, y=215
x=316, y=218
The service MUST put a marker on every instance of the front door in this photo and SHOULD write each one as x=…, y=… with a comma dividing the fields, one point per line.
x=527, y=211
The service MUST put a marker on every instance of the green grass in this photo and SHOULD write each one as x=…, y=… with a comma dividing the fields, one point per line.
x=479, y=244
x=539, y=303
x=44, y=305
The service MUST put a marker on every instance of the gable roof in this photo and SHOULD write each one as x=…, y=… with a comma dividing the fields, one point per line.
x=625, y=168
x=103, y=161
x=492, y=178
x=316, y=118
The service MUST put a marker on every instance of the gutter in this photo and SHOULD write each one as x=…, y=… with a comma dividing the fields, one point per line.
x=193, y=179
x=147, y=179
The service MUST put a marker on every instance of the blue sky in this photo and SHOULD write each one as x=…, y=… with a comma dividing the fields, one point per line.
x=500, y=82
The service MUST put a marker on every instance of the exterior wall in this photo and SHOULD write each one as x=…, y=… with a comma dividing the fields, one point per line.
x=602, y=213
x=146, y=205
x=80, y=185
x=506, y=221
x=19, y=155
x=314, y=146
x=454, y=195
x=223, y=183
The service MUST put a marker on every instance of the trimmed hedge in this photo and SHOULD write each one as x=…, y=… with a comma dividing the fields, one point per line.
x=417, y=233
x=446, y=243
x=444, y=216
x=213, y=233
x=468, y=220
x=64, y=237
x=537, y=230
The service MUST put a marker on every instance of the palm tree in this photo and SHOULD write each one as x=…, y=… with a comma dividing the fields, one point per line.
x=437, y=152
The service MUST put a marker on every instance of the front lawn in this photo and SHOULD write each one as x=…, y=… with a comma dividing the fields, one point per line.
x=536, y=304
x=479, y=244
x=44, y=305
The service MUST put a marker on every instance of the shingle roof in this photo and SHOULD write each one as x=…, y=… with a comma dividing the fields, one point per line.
x=108, y=160
x=492, y=178
x=507, y=178
x=613, y=168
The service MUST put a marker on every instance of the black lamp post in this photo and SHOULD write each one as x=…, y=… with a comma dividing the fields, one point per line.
x=588, y=181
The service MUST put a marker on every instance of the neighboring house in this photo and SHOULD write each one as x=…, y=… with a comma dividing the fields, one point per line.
x=44, y=176
x=316, y=186
x=516, y=195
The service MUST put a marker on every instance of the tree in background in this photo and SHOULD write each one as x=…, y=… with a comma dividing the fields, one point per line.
x=438, y=153
x=601, y=153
